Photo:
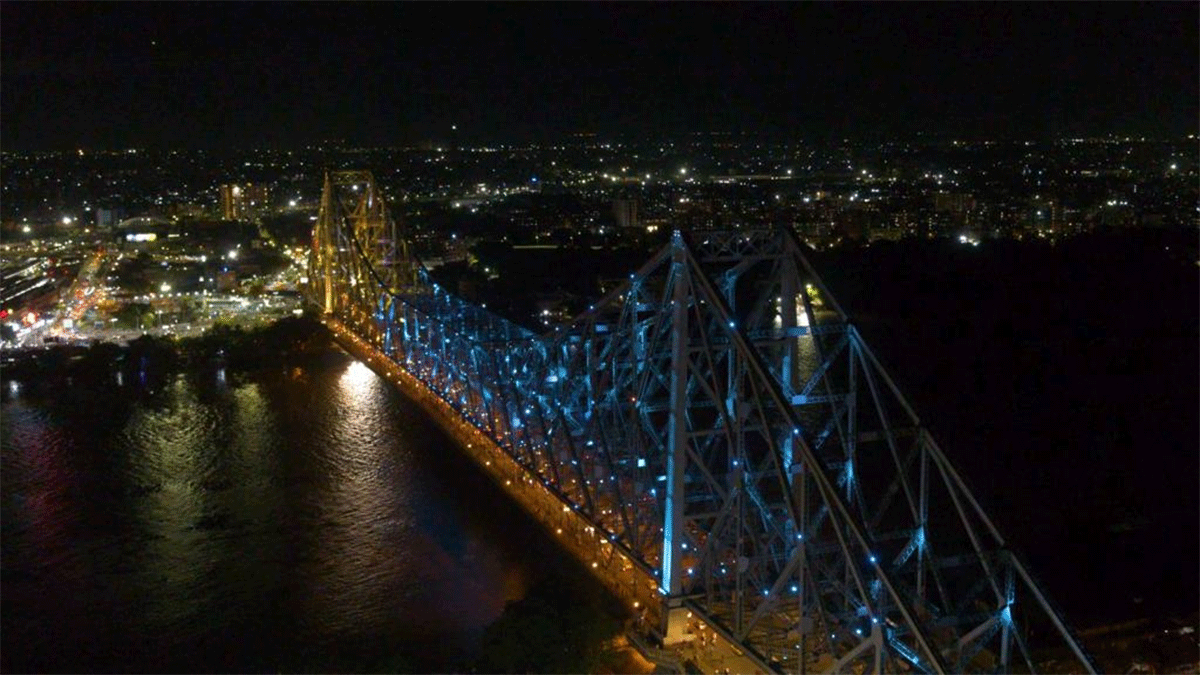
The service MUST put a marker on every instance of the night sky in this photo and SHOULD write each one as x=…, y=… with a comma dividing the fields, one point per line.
x=276, y=74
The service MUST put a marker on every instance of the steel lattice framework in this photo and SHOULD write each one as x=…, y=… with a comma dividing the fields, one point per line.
x=720, y=422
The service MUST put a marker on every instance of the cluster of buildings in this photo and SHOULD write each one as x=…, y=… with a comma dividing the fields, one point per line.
x=198, y=208
x=834, y=193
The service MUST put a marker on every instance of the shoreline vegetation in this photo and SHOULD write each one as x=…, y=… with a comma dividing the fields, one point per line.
x=241, y=351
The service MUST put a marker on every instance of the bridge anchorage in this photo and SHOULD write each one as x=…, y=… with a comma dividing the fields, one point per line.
x=716, y=440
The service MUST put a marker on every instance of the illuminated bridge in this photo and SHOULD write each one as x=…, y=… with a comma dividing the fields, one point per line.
x=716, y=441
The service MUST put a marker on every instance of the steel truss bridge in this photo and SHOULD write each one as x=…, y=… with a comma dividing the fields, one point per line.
x=723, y=431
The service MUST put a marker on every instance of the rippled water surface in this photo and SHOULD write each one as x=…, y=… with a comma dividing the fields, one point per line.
x=308, y=519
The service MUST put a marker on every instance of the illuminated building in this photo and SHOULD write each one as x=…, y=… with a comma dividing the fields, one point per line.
x=242, y=201
x=626, y=212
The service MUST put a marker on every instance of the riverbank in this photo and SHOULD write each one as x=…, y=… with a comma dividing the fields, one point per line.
x=231, y=349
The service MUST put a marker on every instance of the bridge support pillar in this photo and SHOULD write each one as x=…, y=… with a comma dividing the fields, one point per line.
x=675, y=630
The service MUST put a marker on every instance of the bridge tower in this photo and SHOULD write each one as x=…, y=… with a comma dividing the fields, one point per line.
x=356, y=240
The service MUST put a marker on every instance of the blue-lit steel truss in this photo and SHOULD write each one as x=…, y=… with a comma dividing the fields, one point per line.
x=720, y=421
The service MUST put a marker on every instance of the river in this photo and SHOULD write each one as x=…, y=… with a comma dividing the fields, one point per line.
x=303, y=519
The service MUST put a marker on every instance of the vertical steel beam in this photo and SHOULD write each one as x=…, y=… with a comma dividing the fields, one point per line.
x=677, y=440
x=325, y=239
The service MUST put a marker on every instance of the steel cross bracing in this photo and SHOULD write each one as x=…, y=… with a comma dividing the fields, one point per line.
x=719, y=420
x=357, y=248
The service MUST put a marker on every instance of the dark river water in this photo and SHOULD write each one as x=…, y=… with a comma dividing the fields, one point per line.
x=304, y=520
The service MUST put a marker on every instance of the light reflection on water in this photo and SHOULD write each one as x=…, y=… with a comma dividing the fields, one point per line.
x=312, y=519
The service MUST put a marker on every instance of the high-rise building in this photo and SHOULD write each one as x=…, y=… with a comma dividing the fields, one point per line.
x=242, y=201
x=107, y=218
x=626, y=212
x=953, y=202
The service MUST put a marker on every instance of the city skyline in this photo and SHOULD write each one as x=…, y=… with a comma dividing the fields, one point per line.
x=125, y=75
